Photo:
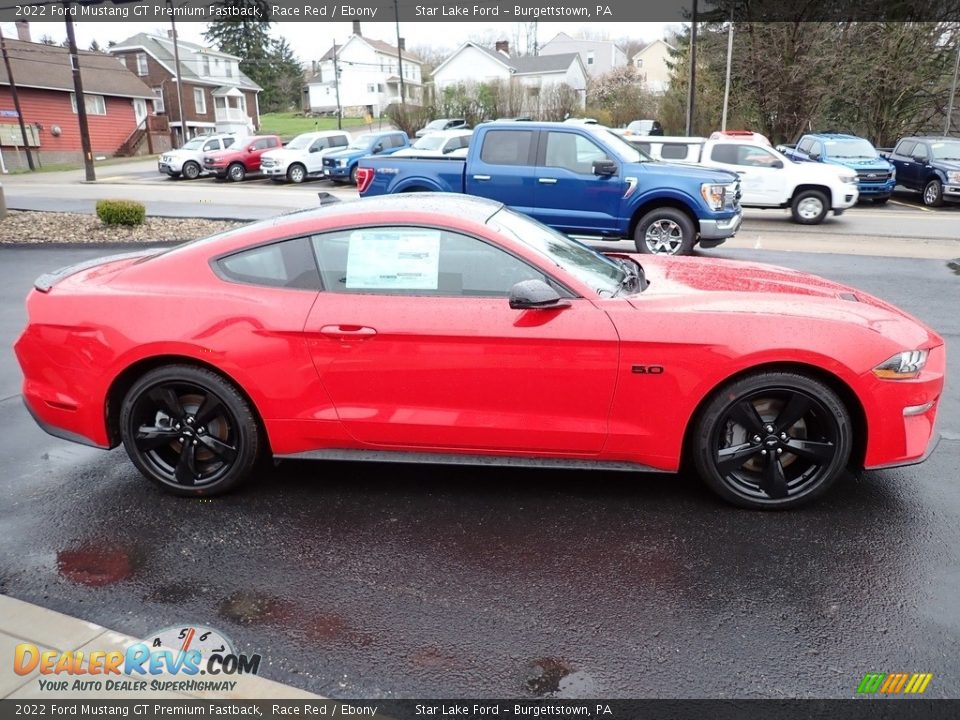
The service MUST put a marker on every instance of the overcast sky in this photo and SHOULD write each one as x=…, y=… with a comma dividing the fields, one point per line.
x=311, y=39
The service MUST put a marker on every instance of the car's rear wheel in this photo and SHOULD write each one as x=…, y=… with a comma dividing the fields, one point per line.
x=296, y=173
x=236, y=172
x=665, y=231
x=809, y=207
x=189, y=430
x=353, y=175
x=773, y=440
x=933, y=193
x=190, y=170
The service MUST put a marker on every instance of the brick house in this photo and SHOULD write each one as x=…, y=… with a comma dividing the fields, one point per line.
x=119, y=105
x=217, y=96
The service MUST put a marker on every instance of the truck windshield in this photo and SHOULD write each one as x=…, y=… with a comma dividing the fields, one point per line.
x=622, y=149
x=430, y=142
x=946, y=150
x=361, y=142
x=299, y=142
x=850, y=149
x=195, y=144
x=584, y=263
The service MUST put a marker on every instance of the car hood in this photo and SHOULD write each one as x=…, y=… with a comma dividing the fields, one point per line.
x=181, y=153
x=727, y=286
x=949, y=165
x=282, y=154
x=861, y=164
x=695, y=172
x=350, y=154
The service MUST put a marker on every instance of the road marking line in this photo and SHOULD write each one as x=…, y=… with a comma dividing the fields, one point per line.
x=912, y=207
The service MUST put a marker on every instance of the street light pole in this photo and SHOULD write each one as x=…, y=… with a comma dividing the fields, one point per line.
x=953, y=91
x=336, y=86
x=176, y=63
x=726, y=87
x=81, y=99
x=396, y=14
x=692, y=75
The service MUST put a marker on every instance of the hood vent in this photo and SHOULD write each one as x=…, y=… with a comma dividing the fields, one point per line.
x=848, y=296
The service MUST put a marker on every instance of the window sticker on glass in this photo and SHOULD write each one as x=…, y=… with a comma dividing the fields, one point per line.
x=394, y=259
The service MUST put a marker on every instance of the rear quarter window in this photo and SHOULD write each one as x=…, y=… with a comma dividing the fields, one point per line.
x=289, y=264
x=674, y=151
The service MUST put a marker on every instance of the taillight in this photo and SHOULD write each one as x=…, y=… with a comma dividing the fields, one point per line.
x=364, y=178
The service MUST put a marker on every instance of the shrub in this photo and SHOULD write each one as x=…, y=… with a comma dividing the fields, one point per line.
x=121, y=212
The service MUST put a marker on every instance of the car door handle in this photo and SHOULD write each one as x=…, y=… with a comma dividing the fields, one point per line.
x=347, y=331
x=547, y=181
x=481, y=177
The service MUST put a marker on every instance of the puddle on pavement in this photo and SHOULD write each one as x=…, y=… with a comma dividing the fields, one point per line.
x=556, y=677
x=94, y=567
x=246, y=607
x=174, y=593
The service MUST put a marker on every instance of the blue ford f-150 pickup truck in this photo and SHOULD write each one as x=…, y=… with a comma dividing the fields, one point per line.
x=341, y=166
x=929, y=165
x=579, y=179
x=876, y=177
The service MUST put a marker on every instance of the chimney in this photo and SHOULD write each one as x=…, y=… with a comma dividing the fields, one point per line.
x=170, y=34
x=403, y=43
x=356, y=28
x=23, y=31
x=503, y=46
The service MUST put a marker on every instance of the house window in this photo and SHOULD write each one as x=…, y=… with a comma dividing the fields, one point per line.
x=95, y=104
x=206, y=65
x=639, y=62
x=158, y=100
x=229, y=69
x=141, y=64
x=590, y=57
x=199, y=101
x=371, y=88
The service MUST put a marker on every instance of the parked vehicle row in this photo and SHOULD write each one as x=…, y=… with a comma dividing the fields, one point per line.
x=876, y=177
x=929, y=165
x=576, y=178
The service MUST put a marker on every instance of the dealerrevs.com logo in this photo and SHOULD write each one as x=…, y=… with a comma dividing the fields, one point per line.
x=894, y=683
x=174, y=652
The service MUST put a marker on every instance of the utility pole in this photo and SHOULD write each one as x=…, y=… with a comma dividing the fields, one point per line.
x=692, y=75
x=396, y=15
x=16, y=101
x=81, y=99
x=726, y=87
x=336, y=86
x=953, y=92
x=176, y=62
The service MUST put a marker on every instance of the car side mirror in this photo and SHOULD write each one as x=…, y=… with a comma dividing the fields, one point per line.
x=815, y=156
x=535, y=295
x=314, y=149
x=377, y=149
x=778, y=164
x=251, y=148
x=918, y=159
x=604, y=167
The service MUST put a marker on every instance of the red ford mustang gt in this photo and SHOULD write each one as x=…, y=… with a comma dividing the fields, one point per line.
x=449, y=329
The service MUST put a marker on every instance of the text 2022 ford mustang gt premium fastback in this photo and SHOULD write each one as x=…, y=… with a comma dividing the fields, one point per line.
x=432, y=328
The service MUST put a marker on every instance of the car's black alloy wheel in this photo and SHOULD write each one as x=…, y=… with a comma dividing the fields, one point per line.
x=772, y=440
x=189, y=430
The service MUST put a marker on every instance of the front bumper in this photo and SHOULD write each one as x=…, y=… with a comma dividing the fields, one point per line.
x=275, y=171
x=951, y=192
x=336, y=171
x=720, y=230
x=876, y=190
x=845, y=199
x=169, y=168
x=220, y=172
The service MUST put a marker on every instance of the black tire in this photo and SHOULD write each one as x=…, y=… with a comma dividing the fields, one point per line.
x=796, y=461
x=881, y=200
x=809, y=207
x=933, y=193
x=172, y=410
x=669, y=229
x=353, y=175
x=236, y=172
x=296, y=173
x=190, y=170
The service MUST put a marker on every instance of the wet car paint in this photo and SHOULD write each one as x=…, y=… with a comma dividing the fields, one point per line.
x=369, y=580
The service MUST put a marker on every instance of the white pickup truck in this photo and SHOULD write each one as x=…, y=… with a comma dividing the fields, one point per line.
x=302, y=157
x=768, y=179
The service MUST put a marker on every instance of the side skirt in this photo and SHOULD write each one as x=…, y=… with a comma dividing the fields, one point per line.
x=455, y=459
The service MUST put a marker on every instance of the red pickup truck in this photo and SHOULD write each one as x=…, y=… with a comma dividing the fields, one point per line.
x=241, y=159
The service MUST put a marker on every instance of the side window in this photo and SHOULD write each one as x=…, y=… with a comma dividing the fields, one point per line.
x=905, y=148
x=211, y=145
x=817, y=148
x=320, y=144
x=272, y=143
x=572, y=152
x=288, y=264
x=507, y=147
x=753, y=156
x=726, y=154
x=805, y=145
x=227, y=142
x=920, y=151
x=644, y=147
x=417, y=261
x=339, y=141
x=674, y=151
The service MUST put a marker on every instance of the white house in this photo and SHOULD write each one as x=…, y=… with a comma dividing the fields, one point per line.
x=473, y=63
x=651, y=66
x=369, y=78
x=598, y=56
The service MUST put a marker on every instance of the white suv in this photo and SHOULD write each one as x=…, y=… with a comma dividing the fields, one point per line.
x=187, y=161
x=302, y=157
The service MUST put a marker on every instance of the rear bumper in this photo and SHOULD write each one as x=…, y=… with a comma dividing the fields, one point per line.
x=719, y=229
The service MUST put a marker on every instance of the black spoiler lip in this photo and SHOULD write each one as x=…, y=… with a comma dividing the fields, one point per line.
x=49, y=279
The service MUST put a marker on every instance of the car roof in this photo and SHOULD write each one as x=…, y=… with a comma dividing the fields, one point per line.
x=465, y=207
x=323, y=133
x=931, y=138
x=455, y=132
x=835, y=136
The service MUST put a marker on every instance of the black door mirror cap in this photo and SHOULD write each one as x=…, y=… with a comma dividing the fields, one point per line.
x=535, y=295
x=604, y=167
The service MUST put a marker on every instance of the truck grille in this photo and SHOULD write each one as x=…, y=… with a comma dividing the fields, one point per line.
x=873, y=176
x=267, y=163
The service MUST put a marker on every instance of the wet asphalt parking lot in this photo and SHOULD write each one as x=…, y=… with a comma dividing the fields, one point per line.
x=363, y=580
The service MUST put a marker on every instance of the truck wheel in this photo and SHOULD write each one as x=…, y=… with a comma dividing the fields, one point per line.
x=353, y=175
x=665, y=231
x=809, y=207
x=236, y=172
x=191, y=171
x=296, y=173
x=933, y=194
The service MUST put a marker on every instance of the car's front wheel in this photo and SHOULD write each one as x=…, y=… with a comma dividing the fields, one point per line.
x=809, y=207
x=772, y=440
x=189, y=430
x=191, y=170
x=297, y=173
x=933, y=193
x=665, y=231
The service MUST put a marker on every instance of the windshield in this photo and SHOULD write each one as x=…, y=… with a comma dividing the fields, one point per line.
x=638, y=126
x=299, y=142
x=623, y=149
x=361, y=142
x=436, y=125
x=586, y=264
x=195, y=144
x=948, y=150
x=851, y=149
x=433, y=142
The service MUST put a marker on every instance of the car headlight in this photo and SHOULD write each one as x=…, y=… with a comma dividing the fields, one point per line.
x=893, y=172
x=902, y=366
x=713, y=195
x=850, y=179
x=953, y=177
